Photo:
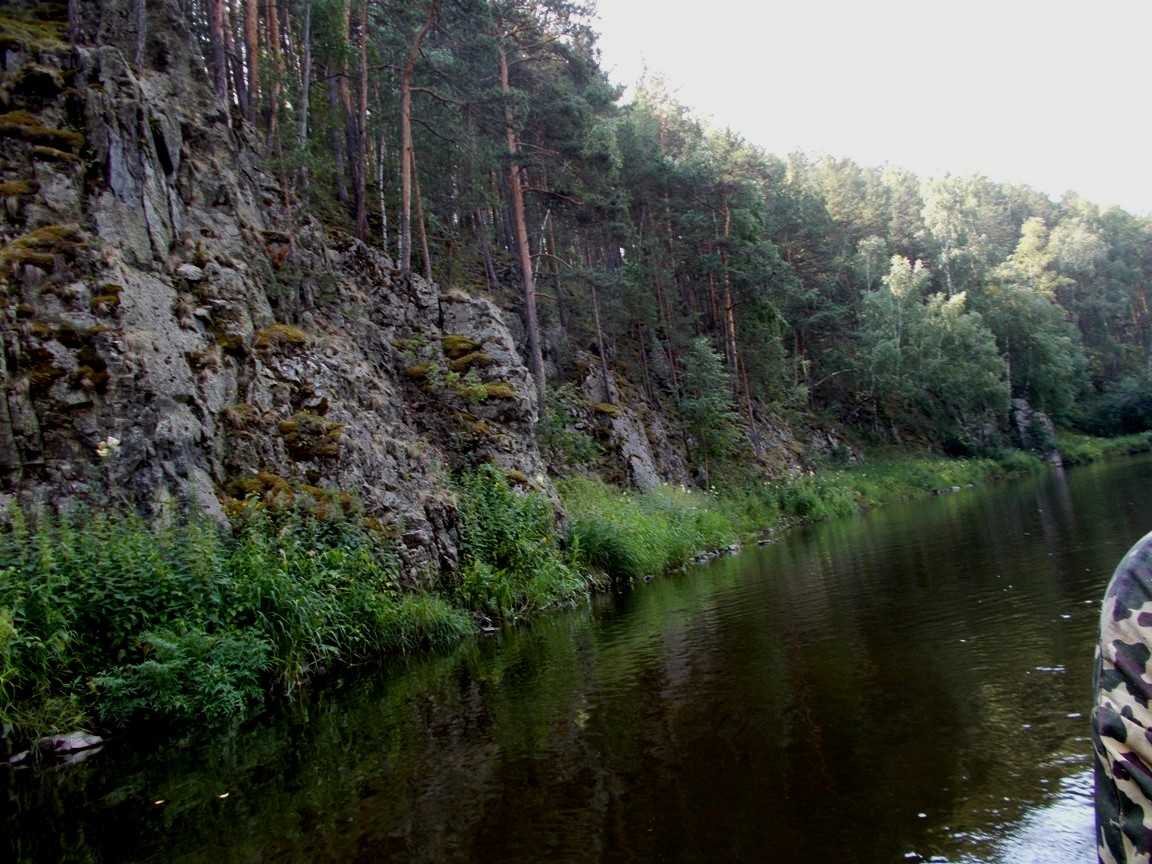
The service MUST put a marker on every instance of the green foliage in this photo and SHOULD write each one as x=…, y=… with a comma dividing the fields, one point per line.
x=1082, y=449
x=1125, y=408
x=186, y=677
x=928, y=363
x=629, y=536
x=564, y=443
x=511, y=564
x=181, y=620
x=707, y=406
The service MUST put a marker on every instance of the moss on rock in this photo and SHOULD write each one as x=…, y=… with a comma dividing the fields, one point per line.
x=280, y=336
x=309, y=436
x=27, y=127
x=26, y=34
x=18, y=188
x=456, y=346
x=41, y=246
x=40, y=153
x=500, y=390
x=473, y=359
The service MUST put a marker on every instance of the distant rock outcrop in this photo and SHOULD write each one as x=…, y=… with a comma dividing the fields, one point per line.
x=1033, y=430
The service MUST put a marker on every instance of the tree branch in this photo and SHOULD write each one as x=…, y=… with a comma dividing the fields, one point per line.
x=576, y=202
x=447, y=100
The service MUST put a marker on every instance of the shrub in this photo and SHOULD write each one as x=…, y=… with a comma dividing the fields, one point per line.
x=187, y=677
x=512, y=564
x=182, y=620
x=564, y=443
x=1082, y=449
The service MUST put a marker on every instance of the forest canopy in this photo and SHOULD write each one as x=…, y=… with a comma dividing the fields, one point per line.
x=481, y=144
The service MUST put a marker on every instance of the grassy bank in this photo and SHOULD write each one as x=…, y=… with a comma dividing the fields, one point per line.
x=1081, y=449
x=626, y=535
x=108, y=621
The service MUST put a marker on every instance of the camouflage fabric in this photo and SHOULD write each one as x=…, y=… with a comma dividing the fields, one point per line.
x=1121, y=716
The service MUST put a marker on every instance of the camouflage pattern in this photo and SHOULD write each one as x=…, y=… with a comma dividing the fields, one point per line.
x=1121, y=716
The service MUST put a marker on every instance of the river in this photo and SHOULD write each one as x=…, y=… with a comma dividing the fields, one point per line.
x=909, y=685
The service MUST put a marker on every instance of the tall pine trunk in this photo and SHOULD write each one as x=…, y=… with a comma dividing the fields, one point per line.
x=234, y=61
x=406, y=150
x=219, y=55
x=305, y=94
x=358, y=131
x=336, y=140
x=252, y=50
x=729, y=309
x=520, y=224
x=421, y=225
x=272, y=109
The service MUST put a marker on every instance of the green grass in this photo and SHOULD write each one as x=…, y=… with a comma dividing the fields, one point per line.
x=1081, y=449
x=627, y=535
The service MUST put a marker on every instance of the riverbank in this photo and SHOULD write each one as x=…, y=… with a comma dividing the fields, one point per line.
x=107, y=621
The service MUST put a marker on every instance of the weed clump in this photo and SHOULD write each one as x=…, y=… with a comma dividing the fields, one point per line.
x=500, y=390
x=456, y=346
x=18, y=188
x=41, y=246
x=25, y=34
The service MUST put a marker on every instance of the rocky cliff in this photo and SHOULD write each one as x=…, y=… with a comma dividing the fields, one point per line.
x=173, y=328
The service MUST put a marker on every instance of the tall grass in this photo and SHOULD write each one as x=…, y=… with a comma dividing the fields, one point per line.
x=627, y=536
x=106, y=614
x=631, y=535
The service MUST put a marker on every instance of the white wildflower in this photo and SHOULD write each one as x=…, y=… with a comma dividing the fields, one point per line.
x=107, y=448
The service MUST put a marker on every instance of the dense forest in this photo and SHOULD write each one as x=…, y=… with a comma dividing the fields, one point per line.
x=482, y=144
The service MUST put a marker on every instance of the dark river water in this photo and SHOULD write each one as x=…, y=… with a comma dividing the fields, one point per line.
x=910, y=685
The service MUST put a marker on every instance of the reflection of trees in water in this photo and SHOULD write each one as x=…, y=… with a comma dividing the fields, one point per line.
x=811, y=696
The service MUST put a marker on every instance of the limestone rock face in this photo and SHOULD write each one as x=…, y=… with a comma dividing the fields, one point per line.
x=161, y=291
x=1033, y=430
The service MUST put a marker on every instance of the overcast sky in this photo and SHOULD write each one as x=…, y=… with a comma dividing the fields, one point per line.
x=1055, y=94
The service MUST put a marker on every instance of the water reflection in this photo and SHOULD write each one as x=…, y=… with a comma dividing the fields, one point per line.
x=901, y=686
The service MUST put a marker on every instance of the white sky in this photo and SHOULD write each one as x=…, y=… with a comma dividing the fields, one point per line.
x=1054, y=94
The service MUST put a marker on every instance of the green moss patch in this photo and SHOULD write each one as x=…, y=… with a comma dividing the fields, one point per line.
x=40, y=153
x=279, y=337
x=17, y=188
x=473, y=359
x=500, y=390
x=456, y=346
x=41, y=246
x=27, y=127
x=24, y=34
